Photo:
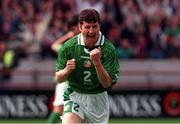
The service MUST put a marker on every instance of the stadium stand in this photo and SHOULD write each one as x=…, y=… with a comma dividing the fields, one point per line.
x=135, y=74
x=146, y=34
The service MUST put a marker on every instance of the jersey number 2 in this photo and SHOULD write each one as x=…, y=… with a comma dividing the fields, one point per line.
x=87, y=76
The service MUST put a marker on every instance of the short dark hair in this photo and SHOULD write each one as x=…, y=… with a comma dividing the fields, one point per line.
x=89, y=15
x=73, y=21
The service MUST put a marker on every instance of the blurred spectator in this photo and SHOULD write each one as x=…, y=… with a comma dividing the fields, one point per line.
x=8, y=62
x=113, y=34
x=127, y=32
x=106, y=23
x=50, y=36
x=125, y=51
x=29, y=22
x=140, y=47
x=156, y=43
x=84, y=4
x=171, y=50
x=173, y=29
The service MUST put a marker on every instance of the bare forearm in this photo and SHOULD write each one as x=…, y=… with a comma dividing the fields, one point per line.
x=103, y=76
x=61, y=75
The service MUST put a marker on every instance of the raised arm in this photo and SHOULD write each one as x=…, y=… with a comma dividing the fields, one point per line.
x=61, y=40
x=102, y=74
x=62, y=75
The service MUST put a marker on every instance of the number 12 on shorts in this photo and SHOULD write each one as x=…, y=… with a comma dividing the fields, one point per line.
x=71, y=106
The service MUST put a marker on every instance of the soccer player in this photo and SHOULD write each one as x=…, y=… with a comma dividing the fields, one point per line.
x=60, y=87
x=89, y=62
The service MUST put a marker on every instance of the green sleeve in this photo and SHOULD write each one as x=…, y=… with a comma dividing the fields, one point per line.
x=62, y=59
x=111, y=65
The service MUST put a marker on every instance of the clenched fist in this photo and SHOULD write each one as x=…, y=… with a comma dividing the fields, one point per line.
x=70, y=65
x=95, y=55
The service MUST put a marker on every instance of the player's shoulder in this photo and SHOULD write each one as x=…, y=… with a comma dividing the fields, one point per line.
x=71, y=42
x=108, y=44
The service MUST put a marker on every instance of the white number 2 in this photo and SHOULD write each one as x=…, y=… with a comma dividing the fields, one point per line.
x=87, y=76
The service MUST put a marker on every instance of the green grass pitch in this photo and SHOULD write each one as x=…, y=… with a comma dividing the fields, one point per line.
x=112, y=120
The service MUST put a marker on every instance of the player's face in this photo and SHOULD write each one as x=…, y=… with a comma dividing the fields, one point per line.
x=90, y=32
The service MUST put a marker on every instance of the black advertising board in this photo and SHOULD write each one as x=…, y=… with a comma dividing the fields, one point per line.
x=124, y=103
x=145, y=103
x=25, y=103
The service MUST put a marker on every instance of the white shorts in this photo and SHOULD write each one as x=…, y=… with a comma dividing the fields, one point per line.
x=59, y=91
x=91, y=108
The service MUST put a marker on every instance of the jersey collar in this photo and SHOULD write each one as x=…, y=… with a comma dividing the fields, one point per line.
x=99, y=42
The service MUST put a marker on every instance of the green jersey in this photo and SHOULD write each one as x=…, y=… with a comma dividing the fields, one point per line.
x=84, y=78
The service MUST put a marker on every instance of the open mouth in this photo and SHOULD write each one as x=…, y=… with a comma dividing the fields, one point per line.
x=93, y=36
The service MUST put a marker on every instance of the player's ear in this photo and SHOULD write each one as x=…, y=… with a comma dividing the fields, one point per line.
x=99, y=25
x=80, y=26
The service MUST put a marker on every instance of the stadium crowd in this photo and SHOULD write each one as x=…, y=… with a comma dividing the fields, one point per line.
x=139, y=28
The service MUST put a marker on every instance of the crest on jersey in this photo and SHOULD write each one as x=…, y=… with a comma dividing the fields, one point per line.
x=87, y=63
